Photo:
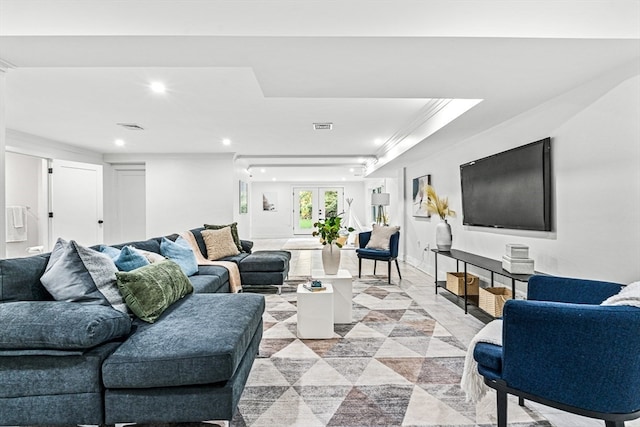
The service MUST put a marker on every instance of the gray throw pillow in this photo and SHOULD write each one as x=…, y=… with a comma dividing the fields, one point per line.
x=79, y=274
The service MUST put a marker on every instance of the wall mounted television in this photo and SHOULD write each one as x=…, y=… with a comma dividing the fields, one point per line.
x=510, y=190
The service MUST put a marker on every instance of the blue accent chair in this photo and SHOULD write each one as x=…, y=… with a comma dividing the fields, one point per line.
x=378, y=254
x=562, y=349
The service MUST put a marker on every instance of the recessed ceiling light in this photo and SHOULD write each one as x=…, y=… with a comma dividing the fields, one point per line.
x=344, y=179
x=351, y=169
x=273, y=179
x=158, y=87
x=226, y=141
x=119, y=142
x=263, y=170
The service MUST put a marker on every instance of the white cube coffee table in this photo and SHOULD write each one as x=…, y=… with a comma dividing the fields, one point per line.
x=342, y=293
x=315, y=313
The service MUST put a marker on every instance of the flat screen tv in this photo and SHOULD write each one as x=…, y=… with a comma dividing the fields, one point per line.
x=511, y=189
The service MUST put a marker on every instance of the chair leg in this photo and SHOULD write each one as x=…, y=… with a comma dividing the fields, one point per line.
x=359, y=267
x=398, y=268
x=614, y=423
x=389, y=270
x=375, y=263
x=502, y=408
x=520, y=400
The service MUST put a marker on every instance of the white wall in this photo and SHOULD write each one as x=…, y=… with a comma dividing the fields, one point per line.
x=279, y=224
x=186, y=191
x=595, y=134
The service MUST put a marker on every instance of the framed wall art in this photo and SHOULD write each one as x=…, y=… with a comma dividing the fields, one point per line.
x=270, y=202
x=420, y=196
x=243, y=195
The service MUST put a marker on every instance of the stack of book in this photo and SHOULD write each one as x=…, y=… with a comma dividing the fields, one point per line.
x=516, y=260
x=315, y=286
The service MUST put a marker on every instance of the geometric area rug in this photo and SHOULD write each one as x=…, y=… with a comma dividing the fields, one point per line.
x=393, y=366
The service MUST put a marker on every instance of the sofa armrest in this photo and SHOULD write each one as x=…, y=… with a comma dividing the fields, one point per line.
x=59, y=325
x=247, y=245
x=570, y=290
x=581, y=355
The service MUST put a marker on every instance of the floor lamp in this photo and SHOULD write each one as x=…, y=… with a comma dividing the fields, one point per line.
x=380, y=200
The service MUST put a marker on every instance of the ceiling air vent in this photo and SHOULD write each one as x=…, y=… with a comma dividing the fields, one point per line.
x=131, y=126
x=323, y=126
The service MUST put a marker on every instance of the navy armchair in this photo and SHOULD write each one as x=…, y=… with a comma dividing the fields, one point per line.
x=564, y=350
x=378, y=254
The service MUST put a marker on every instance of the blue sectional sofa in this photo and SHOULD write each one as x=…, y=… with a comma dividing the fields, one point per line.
x=70, y=363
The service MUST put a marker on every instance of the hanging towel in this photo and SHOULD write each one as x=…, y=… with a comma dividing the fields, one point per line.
x=16, y=223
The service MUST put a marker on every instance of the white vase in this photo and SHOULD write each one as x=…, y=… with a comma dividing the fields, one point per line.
x=330, y=258
x=443, y=236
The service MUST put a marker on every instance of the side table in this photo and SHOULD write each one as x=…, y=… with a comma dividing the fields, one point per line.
x=342, y=293
x=315, y=313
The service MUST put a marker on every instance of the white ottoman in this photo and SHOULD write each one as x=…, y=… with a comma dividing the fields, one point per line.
x=315, y=313
x=342, y=293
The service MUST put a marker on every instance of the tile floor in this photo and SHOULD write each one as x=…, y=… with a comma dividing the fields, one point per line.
x=442, y=308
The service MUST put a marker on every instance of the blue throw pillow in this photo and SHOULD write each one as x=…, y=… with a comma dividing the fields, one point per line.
x=181, y=253
x=130, y=258
x=112, y=252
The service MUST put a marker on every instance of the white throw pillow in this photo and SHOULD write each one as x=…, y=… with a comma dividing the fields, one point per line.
x=380, y=237
x=219, y=243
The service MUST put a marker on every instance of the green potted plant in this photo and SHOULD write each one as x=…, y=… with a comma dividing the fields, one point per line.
x=331, y=232
x=440, y=205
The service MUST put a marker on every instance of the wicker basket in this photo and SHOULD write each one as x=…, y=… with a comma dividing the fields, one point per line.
x=455, y=283
x=492, y=300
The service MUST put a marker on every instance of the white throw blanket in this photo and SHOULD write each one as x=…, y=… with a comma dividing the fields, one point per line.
x=472, y=382
x=629, y=295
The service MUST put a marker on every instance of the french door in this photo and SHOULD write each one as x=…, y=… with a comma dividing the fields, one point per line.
x=313, y=203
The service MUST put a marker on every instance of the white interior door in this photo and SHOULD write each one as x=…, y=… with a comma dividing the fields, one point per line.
x=313, y=203
x=75, y=202
x=131, y=217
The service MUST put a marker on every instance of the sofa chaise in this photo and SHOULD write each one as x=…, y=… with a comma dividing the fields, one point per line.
x=72, y=363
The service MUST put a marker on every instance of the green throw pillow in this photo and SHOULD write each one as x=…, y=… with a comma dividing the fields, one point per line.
x=148, y=291
x=234, y=232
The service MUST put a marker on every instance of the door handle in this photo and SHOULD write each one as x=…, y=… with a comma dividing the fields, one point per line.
x=100, y=221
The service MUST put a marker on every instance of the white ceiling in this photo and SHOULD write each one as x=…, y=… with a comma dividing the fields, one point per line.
x=261, y=72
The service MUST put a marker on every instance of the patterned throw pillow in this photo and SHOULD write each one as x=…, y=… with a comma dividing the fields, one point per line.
x=75, y=273
x=219, y=243
x=150, y=290
x=380, y=237
x=234, y=232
